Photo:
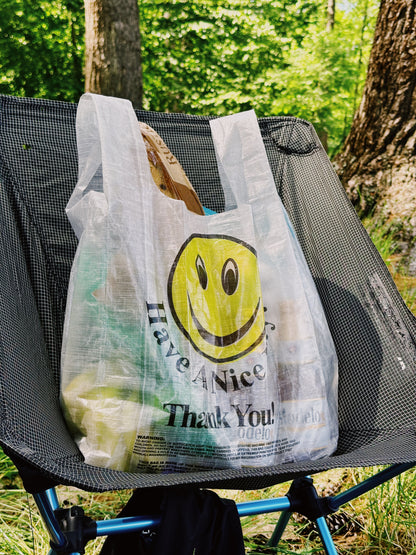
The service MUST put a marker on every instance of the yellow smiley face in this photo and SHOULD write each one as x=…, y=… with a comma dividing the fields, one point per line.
x=215, y=296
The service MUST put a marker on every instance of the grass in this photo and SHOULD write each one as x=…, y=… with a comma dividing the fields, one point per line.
x=386, y=525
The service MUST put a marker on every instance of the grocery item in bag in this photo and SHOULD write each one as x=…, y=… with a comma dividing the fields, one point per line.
x=167, y=172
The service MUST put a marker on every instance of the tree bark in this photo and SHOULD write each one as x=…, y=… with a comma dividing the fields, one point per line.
x=113, y=50
x=330, y=19
x=377, y=165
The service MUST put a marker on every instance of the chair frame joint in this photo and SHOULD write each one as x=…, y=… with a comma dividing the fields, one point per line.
x=305, y=500
x=77, y=528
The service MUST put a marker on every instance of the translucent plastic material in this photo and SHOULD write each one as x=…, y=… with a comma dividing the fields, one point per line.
x=190, y=342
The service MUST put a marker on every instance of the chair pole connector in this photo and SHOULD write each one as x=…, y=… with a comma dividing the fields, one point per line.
x=305, y=500
x=77, y=528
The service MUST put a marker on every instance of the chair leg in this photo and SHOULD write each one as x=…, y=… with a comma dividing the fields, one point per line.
x=47, y=503
x=325, y=536
x=368, y=484
x=79, y=529
x=280, y=528
x=303, y=499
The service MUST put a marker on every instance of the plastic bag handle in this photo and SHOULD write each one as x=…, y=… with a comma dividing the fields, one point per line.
x=241, y=157
x=108, y=135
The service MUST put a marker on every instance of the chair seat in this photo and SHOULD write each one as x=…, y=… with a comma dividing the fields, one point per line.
x=373, y=331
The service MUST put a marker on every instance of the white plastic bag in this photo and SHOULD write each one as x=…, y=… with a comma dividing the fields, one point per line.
x=168, y=360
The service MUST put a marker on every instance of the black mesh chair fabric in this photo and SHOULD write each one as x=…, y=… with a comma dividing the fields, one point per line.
x=373, y=330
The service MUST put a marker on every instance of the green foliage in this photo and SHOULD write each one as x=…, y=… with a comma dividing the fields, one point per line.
x=41, y=48
x=207, y=56
x=274, y=56
x=213, y=57
x=324, y=76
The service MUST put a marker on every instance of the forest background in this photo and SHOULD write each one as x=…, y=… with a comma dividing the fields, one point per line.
x=348, y=67
x=285, y=57
x=304, y=58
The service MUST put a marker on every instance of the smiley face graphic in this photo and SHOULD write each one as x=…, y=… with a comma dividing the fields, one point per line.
x=215, y=296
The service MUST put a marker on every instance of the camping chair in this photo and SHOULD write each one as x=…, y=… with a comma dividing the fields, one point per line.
x=373, y=331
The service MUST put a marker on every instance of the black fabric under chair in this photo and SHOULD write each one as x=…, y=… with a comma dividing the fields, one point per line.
x=374, y=332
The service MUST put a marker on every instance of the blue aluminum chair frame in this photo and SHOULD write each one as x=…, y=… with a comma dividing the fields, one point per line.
x=301, y=498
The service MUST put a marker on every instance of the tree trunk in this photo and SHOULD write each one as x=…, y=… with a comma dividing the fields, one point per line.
x=377, y=164
x=113, y=54
x=330, y=18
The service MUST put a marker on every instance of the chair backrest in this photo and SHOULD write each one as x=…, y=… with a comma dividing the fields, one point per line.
x=374, y=333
